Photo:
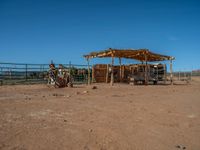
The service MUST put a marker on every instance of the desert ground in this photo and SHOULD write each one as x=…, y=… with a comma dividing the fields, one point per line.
x=100, y=117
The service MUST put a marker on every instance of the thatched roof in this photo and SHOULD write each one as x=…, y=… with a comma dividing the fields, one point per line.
x=138, y=54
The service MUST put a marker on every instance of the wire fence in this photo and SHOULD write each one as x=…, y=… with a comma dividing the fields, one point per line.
x=19, y=73
x=185, y=75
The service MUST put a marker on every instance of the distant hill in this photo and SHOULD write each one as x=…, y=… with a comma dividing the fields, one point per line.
x=198, y=70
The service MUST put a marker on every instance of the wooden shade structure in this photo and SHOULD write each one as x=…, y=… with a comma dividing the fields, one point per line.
x=138, y=54
x=143, y=55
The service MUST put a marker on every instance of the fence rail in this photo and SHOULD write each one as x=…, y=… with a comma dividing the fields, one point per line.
x=18, y=73
x=21, y=73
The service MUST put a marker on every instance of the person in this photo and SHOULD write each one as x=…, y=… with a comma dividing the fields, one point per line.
x=61, y=77
x=60, y=71
x=52, y=74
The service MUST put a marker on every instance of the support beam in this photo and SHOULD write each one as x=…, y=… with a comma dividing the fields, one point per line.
x=120, y=69
x=70, y=69
x=123, y=70
x=165, y=73
x=107, y=73
x=146, y=70
x=88, y=62
x=92, y=73
x=112, y=72
x=171, y=72
x=25, y=74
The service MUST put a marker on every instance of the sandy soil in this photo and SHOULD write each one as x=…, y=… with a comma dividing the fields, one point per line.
x=122, y=117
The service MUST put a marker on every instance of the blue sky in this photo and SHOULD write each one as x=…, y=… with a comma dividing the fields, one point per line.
x=38, y=31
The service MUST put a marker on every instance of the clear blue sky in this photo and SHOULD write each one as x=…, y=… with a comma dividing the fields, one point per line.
x=38, y=31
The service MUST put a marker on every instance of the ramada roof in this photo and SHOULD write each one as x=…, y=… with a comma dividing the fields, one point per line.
x=138, y=54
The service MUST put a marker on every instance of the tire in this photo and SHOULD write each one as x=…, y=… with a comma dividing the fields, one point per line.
x=155, y=82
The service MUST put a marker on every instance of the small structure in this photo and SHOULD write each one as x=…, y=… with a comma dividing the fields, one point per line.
x=143, y=55
x=133, y=73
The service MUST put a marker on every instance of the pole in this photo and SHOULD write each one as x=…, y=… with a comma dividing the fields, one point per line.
x=123, y=68
x=107, y=73
x=171, y=72
x=157, y=73
x=184, y=74
x=70, y=70
x=88, y=71
x=92, y=73
x=112, y=74
x=165, y=71
x=120, y=69
x=26, y=72
x=146, y=78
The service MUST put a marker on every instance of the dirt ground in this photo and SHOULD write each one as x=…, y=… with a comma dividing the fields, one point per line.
x=122, y=117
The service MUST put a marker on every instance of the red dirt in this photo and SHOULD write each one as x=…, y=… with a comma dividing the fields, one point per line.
x=122, y=117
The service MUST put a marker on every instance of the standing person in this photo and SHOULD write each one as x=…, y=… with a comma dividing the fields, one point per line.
x=60, y=71
x=52, y=74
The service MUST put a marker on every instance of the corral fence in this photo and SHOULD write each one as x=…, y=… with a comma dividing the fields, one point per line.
x=185, y=75
x=20, y=73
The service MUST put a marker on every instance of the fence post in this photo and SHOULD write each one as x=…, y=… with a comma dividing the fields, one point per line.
x=107, y=73
x=185, y=75
x=1, y=81
x=171, y=72
x=112, y=73
x=165, y=73
x=26, y=71
x=88, y=71
x=69, y=69
x=92, y=73
x=146, y=73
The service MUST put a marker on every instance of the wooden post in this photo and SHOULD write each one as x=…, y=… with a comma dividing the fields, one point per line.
x=120, y=69
x=107, y=73
x=88, y=71
x=112, y=73
x=171, y=72
x=156, y=73
x=146, y=78
x=184, y=75
x=26, y=72
x=165, y=73
x=123, y=70
x=70, y=69
x=92, y=73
